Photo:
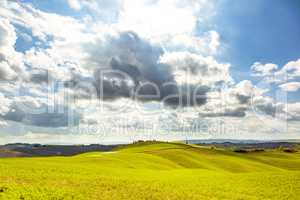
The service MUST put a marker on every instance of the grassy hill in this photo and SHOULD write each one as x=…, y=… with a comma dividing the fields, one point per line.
x=154, y=170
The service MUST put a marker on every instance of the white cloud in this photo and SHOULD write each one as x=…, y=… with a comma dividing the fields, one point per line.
x=207, y=44
x=260, y=69
x=46, y=65
x=156, y=18
x=42, y=24
x=196, y=69
x=7, y=36
x=162, y=17
x=293, y=111
x=11, y=61
x=291, y=70
x=237, y=101
x=75, y=4
x=290, y=87
x=106, y=11
x=5, y=104
x=246, y=88
x=6, y=72
x=3, y=123
x=9, y=88
x=270, y=74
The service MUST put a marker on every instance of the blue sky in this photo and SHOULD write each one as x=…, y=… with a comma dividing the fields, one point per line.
x=56, y=6
x=265, y=31
x=228, y=62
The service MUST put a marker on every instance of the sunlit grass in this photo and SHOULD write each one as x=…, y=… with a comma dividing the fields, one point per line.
x=154, y=171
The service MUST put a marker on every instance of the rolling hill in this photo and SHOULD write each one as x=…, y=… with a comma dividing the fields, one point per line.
x=154, y=170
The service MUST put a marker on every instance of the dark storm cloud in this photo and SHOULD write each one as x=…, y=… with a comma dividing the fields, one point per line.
x=186, y=95
x=43, y=118
x=243, y=99
x=129, y=66
x=235, y=112
x=267, y=108
x=112, y=84
x=40, y=76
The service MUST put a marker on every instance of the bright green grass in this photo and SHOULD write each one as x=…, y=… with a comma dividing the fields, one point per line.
x=154, y=171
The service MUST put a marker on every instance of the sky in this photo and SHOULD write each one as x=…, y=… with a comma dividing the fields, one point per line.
x=115, y=71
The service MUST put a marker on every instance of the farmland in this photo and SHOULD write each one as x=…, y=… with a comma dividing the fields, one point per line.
x=154, y=170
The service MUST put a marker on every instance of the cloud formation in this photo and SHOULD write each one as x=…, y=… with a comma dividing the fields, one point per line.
x=10, y=61
x=290, y=87
x=158, y=69
x=260, y=69
x=128, y=66
x=34, y=111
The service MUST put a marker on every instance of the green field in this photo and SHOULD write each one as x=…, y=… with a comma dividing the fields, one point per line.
x=154, y=171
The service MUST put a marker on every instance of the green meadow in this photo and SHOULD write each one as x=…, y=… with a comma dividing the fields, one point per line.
x=154, y=170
